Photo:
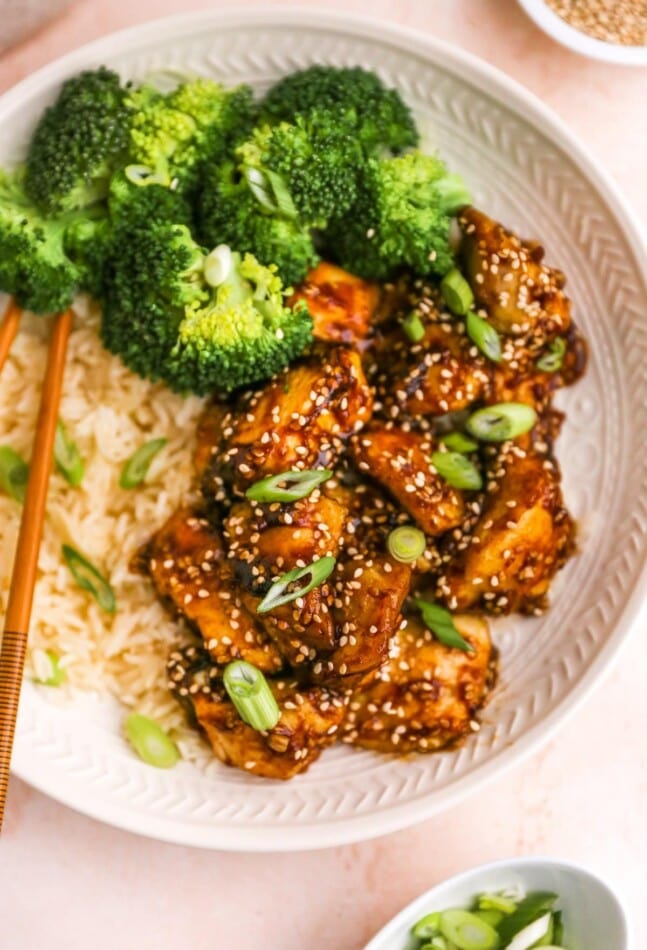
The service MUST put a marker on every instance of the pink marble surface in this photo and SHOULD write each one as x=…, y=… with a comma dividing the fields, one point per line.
x=69, y=882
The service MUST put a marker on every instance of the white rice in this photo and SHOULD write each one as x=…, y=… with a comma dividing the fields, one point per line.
x=109, y=412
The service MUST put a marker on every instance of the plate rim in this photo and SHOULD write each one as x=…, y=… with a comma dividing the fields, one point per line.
x=333, y=832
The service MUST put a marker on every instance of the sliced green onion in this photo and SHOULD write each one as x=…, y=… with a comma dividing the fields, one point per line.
x=468, y=931
x=558, y=927
x=497, y=902
x=503, y=421
x=67, y=456
x=14, y=473
x=484, y=336
x=280, y=593
x=136, y=468
x=250, y=693
x=217, y=265
x=283, y=197
x=413, y=327
x=452, y=193
x=552, y=360
x=47, y=668
x=491, y=917
x=532, y=934
x=142, y=175
x=287, y=486
x=528, y=910
x=406, y=543
x=458, y=442
x=438, y=943
x=89, y=578
x=427, y=926
x=457, y=471
x=441, y=624
x=456, y=292
x=270, y=191
x=152, y=744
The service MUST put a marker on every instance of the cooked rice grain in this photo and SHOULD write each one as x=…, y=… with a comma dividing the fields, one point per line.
x=109, y=412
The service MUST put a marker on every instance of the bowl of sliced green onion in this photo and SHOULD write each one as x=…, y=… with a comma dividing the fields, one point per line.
x=517, y=904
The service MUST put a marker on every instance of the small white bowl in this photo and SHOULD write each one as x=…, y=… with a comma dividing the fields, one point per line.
x=593, y=916
x=560, y=30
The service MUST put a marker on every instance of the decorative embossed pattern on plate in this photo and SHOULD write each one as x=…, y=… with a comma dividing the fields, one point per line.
x=524, y=168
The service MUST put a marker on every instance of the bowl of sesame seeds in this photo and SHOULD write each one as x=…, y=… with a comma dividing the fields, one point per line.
x=610, y=30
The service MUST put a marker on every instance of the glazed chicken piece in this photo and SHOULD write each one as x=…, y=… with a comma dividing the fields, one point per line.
x=504, y=559
x=441, y=373
x=522, y=296
x=426, y=695
x=298, y=421
x=310, y=719
x=267, y=540
x=401, y=461
x=341, y=305
x=209, y=436
x=186, y=562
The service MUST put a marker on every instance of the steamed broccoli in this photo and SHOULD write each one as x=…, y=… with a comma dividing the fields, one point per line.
x=146, y=203
x=166, y=321
x=400, y=219
x=34, y=266
x=318, y=160
x=228, y=213
x=78, y=142
x=381, y=118
x=174, y=134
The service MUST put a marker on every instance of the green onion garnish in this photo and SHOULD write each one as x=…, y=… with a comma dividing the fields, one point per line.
x=142, y=175
x=287, y=486
x=496, y=902
x=503, y=421
x=456, y=292
x=458, y=442
x=279, y=593
x=152, y=744
x=553, y=359
x=136, y=468
x=250, y=693
x=452, y=193
x=484, y=336
x=467, y=931
x=270, y=191
x=217, y=265
x=413, y=327
x=406, y=543
x=88, y=578
x=14, y=473
x=47, y=668
x=457, y=471
x=427, y=926
x=441, y=624
x=67, y=456
x=528, y=910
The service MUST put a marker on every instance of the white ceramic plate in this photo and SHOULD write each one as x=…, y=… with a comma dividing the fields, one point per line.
x=525, y=168
x=593, y=916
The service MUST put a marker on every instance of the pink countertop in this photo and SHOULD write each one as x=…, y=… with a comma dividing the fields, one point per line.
x=69, y=882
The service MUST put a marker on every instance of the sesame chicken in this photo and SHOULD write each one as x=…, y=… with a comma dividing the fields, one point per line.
x=521, y=295
x=401, y=462
x=297, y=421
x=187, y=564
x=506, y=556
x=341, y=305
x=310, y=719
x=426, y=695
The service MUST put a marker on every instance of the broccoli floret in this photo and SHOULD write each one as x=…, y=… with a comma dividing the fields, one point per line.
x=401, y=219
x=228, y=213
x=34, y=267
x=78, y=142
x=175, y=133
x=382, y=119
x=150, y=203
x=167, y=322
x=317, y=158
x=88, y=244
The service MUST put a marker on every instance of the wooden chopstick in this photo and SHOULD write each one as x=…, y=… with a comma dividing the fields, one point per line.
x=23, y=580
x=8, y=329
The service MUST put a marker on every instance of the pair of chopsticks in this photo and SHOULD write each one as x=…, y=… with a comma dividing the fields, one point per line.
x=23, y=579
